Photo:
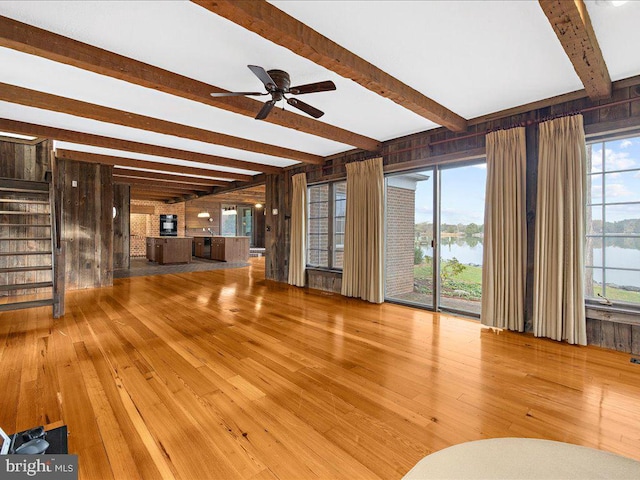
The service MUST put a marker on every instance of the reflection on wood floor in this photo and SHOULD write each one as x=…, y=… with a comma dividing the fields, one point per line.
x=220, y=374
x=142, y=267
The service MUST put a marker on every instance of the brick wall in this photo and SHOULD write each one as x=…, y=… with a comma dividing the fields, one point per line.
x=147, y=225
x=400, y=240
x=138, y=234
x=318, y=240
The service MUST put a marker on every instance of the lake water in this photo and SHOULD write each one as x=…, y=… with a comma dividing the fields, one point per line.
x=467, y=251
x=470, y=253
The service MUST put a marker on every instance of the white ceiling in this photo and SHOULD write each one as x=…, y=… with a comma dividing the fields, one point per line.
x=473, y=57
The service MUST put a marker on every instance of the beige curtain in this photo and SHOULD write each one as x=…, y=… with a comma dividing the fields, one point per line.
x=558, y=309
x=362, y=274
x=298, y=237
x=504, y=249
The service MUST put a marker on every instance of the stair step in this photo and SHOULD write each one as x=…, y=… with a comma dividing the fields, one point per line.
x=16, y=212
x=13, y=184
x=13, y=239
x=25, y=269
x=25, y=225
x=24, y=286
x=21, y=200
x=5, y=307
x=23, y=190
x=10, y=254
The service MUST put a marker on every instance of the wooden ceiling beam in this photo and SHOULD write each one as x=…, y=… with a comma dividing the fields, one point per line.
x=55, y=103
x=154, y=192
x=130, y=146
x=162, y=184
x=164, y=196
x=154, y=197
x=36, y=41
x=170, y=192
x=129, y=162
x=572, y=24
x=125, y=172
x=269, y=22
x=240, y=198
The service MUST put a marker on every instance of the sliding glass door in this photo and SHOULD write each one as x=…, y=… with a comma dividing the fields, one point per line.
x=409, y=269
x=462, y=191
x=445, y=204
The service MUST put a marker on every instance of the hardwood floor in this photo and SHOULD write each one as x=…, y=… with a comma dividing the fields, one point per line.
x=221, y=374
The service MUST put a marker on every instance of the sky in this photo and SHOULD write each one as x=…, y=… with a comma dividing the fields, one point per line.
x=463, y=188
x=618, y=186
x=462, y=196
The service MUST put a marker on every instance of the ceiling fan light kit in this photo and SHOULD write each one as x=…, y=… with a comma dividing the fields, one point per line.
x=277, y=83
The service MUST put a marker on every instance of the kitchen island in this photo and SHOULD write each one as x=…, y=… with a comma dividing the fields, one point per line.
x=165, y=250
x=224, y=249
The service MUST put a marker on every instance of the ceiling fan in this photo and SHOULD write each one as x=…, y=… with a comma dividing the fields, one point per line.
x=277, y=83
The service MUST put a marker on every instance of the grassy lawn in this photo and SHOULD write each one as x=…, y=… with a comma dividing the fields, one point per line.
x=467, y=283
x=470, y=274
x=464, y=281
x=617, y=294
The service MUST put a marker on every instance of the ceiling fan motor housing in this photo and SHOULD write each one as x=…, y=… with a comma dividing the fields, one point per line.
x=282, y=80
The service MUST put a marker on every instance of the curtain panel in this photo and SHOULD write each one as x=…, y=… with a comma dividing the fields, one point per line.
x=504, y=250
x=362, y=274
x=298, y=234
x=558, y=310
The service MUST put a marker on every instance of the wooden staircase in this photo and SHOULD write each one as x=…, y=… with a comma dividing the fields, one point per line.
x=28, y=246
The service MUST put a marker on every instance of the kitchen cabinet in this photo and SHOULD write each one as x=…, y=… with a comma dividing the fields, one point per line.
x=165, y=250
x=224, y=249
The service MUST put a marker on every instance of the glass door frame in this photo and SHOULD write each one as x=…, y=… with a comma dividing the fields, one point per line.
x=436, y=239
x=240, y=229
x=436, y=231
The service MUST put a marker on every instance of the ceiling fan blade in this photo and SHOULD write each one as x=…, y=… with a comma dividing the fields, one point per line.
x=266, y=108
x=264, y=77
x=313, y=88
x=236, y=94
x=305, y=107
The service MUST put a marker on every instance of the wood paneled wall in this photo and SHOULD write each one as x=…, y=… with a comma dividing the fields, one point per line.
x=195, y=224
x=616, y=332
x=25, y=161
x=121, y=226
x=324, y=280
x=278, y=196
x=87, y=223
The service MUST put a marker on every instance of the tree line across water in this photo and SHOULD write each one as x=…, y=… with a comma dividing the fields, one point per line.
x=469, y=230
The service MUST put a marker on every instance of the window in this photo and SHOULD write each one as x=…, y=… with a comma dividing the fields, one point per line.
x=325, y=237
x=612, y=253
x=339, y=211
x=229, y=219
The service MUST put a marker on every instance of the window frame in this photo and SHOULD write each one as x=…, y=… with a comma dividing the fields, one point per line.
x=331, y=225
x=603, y=235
